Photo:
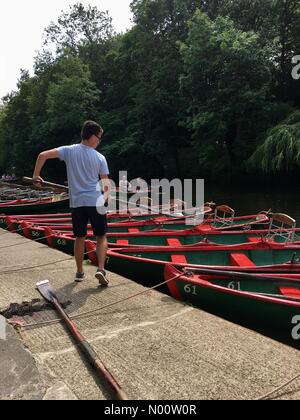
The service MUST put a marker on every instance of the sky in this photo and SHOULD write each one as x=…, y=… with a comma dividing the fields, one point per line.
x=21, y=31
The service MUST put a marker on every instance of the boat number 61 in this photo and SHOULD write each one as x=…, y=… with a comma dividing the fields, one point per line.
x=234, y=285
x=190, y=290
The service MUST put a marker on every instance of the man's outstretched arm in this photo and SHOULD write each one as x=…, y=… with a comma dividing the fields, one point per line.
x=41, y=160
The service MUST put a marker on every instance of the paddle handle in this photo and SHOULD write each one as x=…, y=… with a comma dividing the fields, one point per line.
x=90, y=353
x=46, y=183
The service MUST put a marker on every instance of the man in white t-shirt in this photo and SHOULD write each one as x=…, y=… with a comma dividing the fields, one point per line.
x=85, y=166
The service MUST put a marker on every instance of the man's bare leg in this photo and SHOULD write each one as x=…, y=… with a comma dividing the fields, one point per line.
x=79, y=253
x=101, y=251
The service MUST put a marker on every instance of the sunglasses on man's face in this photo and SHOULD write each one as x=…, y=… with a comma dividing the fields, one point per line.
x=99, y=135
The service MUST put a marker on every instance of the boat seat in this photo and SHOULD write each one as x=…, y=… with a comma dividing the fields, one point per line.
x=173, y=242
x=122, y=242
x=290, y=292
x=161, y=219
x=133, y=230
x=204, y=228
x=254, y=239
x=179, y=259
x=240, y=260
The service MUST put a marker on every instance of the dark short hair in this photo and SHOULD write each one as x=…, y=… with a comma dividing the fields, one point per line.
x=89, y=129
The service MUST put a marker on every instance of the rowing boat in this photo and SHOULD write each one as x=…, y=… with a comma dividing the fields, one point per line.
x=267, y=302
x=163, y=223
x=34, y=205
x=147, y=264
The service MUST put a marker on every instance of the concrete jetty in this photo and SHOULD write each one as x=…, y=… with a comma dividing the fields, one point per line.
x=156, y=347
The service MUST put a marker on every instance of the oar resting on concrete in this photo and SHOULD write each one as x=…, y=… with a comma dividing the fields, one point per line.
x=48, y=294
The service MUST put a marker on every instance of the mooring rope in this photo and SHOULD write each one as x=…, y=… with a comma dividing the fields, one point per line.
x=88, y=313
x=264, y=397
x=35, y=266
x=11, y=231
x=27, y=242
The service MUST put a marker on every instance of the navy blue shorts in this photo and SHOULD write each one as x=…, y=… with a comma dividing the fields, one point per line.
x=82, y=216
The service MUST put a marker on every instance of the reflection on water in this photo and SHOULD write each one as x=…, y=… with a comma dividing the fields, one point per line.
x=253, y=202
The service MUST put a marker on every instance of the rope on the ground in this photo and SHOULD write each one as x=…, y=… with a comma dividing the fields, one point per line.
x=27, y=242
x=87, y=313
x=11, y=231
x=36, y=266
x=42, y=265
x=264, y=397
x=128, y=298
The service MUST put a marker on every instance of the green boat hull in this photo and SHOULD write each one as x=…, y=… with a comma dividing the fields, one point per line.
x=261, y=314
x=189, y=239
x=34, y=208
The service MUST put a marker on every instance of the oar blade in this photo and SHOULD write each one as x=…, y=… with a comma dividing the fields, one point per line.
x=46, y=290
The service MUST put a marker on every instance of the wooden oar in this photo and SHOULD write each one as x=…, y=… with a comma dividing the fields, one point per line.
x=240, y=275
x=158, y=212
x=45, y=183
x=48, y=294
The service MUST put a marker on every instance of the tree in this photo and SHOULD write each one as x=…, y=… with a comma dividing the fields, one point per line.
x=78, y=28
x=277, y=22
x=47, y=111
x=280, y=151
x=72, y=97
x=226, y=82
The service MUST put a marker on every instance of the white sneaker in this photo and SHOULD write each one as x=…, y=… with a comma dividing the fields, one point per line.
x=101, y=277
x=79, y=277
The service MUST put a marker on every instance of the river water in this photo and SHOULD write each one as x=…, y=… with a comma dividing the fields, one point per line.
x=249, y=202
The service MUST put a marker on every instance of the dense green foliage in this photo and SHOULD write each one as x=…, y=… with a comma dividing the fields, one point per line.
x=196, y=88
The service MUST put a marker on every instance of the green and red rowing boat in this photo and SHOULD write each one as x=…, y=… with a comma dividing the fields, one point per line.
x=59, y=221
x=163, y=223
x=34, y=205
x=185, y=239
x=147, y=264
x=267, y=301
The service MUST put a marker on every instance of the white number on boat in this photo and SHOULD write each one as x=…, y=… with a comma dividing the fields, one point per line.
x=35, y=233
x=189, y=289
x=61, y=242
x=234, y=285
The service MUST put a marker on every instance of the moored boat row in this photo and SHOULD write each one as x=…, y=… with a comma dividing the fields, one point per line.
x=154, y=250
